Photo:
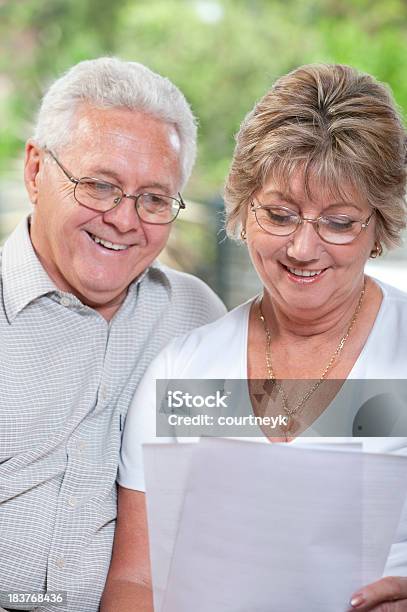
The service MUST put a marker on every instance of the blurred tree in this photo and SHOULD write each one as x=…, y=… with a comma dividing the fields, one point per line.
x=222, y=53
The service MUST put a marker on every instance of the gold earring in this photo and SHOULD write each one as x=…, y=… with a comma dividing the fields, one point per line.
x=243, y=234
x=377, y=251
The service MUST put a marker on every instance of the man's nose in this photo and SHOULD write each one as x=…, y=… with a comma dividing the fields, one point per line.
x=124, y=216
x=305, y=244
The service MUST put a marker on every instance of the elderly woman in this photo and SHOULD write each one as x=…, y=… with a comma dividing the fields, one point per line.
x=316, y=187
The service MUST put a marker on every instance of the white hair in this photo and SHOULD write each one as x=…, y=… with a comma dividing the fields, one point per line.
x=109, y=82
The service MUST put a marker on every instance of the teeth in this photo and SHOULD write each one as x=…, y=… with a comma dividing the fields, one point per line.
x=109, y=245
x=298, y=272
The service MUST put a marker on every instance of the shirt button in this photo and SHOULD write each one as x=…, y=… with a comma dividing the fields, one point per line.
x=81, y=445
x=103, y=392
x=65, y=301
x=72, y=501
x=60, y=562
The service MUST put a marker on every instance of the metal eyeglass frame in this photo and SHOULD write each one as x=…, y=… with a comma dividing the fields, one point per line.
x=77, y=181
x=315, y=222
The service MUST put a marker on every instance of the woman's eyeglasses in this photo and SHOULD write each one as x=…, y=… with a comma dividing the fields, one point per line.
x=335, y=228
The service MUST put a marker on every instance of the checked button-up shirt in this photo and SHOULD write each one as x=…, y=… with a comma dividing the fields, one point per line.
x=67, y=377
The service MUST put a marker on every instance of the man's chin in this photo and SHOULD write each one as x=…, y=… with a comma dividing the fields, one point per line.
x=98, y=296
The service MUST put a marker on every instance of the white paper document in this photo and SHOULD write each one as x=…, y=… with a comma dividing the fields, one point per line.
x=245, y=527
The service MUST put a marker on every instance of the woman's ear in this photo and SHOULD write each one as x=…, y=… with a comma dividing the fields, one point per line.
x=32, y=166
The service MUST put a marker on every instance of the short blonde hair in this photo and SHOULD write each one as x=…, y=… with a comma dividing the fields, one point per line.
x=334, y=123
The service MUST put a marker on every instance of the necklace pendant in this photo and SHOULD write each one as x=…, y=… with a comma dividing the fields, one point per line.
x=269, y=385
x=291, y=426
x=288, y=422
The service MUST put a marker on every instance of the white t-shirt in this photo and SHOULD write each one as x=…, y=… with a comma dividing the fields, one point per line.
x=219, y=351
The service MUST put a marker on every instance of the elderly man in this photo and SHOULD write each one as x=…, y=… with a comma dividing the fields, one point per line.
x=84, y=309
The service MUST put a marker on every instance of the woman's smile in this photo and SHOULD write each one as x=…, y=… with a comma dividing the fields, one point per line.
x=304, y=276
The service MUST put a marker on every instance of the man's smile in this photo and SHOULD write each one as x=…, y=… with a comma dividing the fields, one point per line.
x=107, y=244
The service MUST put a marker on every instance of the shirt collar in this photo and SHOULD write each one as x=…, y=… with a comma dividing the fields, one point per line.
x=24, y=278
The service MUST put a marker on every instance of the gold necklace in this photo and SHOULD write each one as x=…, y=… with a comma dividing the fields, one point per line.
x=290, y=412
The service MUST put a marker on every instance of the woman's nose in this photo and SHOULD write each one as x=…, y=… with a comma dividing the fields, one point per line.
x=305, y=244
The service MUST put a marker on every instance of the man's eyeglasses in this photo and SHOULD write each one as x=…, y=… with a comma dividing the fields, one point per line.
x=102, y=196
x=335, y=228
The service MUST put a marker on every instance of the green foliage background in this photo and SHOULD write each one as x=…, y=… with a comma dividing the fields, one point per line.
x=223, y=54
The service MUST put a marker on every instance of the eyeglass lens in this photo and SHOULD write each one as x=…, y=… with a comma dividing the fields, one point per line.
x=337, y=229
x=152, y=208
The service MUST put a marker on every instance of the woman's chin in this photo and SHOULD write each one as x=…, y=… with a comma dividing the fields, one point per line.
x=305, y=299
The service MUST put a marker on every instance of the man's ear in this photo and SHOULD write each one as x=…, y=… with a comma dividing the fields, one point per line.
x=32, y=166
